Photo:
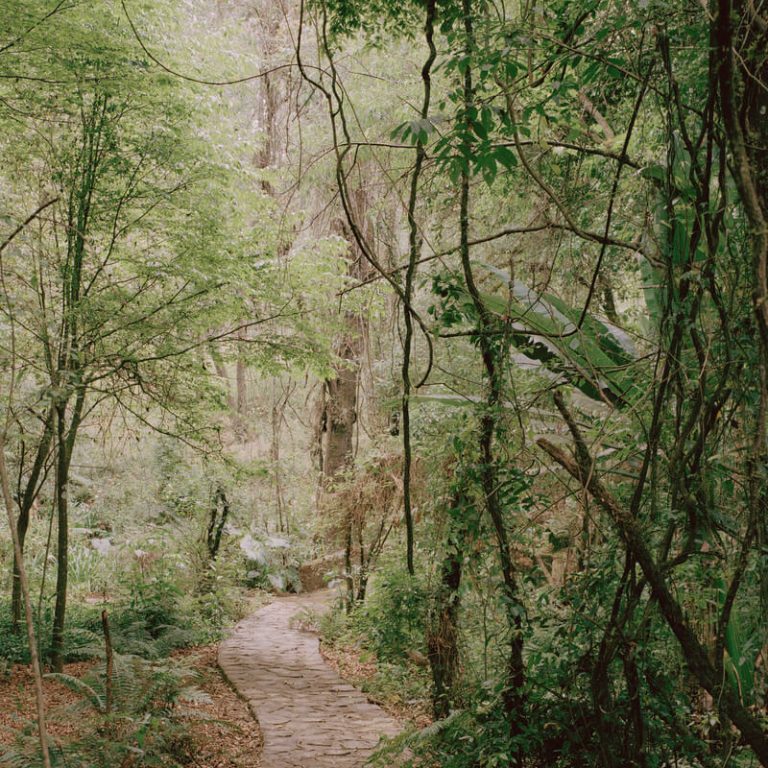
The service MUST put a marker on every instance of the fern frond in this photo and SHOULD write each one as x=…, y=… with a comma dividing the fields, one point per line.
x=79, y=686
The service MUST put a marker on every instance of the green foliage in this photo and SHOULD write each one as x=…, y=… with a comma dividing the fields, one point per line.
x=584, y=151
x=147, y=721
x=153, y=602
x=379, y=19
x=388, y=630
x=13, y=645
x=218, y=600
x=473, y=738
x=594, y=356
x=394, y=615
x=390, y=622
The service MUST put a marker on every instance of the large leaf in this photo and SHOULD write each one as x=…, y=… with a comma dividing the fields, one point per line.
x=596, y=357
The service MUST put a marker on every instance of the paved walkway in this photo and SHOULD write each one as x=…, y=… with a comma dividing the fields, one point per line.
x=309, y=717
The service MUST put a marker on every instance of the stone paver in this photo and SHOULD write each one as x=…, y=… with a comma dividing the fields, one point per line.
x=309, y=716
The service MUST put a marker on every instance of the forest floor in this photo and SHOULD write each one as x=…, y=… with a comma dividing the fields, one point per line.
x=271, y=667
x=361, y=671
x=309, y=716
x=226, y=735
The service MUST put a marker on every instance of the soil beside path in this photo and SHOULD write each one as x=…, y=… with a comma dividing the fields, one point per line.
x=223, y=734
x=308, y=715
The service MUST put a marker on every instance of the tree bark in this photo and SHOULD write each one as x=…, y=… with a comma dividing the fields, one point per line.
x=216, y=522
x=414, y=251
x=443, y=629
x=62, y=542
x=744, y=108
x=110, y=662
x=65, y=443
x=341, y=408
x=31, y=491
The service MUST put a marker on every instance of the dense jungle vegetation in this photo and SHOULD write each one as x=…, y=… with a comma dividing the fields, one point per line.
x=458, y=306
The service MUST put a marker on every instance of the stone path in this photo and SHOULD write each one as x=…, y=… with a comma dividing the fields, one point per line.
x=309, y=716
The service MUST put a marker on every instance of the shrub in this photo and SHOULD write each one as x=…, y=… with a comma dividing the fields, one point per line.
x=394, y=616
x=153, y=601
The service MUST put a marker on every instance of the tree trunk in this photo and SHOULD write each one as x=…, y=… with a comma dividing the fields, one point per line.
x=340, y=415
x=110, y=662
x=65, y=443
x=241, y=391
x=341, y=409
x=443, y=629
x=27, y=602
x=28, y=498
x=62, y=541
x=216, y=522
x=278, y=413
x=492, y=354
x=743, y=80
x=414, y=248
x=695, y=654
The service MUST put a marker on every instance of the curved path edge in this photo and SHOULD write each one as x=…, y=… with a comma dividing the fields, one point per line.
x=308, y=715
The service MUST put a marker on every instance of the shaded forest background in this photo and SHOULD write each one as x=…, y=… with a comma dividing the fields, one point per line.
x=461, y=307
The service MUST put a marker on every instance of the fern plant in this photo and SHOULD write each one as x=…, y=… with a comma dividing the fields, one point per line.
x=138, y=717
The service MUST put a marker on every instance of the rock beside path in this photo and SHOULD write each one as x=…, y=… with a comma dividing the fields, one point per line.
x=308, y=715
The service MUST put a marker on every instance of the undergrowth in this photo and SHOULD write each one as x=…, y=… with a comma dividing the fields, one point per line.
x=143, y=720
x=383, y=634
x=136, y=717
x=153, y=617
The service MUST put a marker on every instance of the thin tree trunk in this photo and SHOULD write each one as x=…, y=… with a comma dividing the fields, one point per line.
x=110, y=662
x=514, y=698
x=414, y=247
x=62, y=543
x=216, y=522
x=25, y=508
x=278, y=414
x=443, y=629
x=241, y=391
x=242, y=396
x=65, y=441
x=29, y=620
x=743, y=79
